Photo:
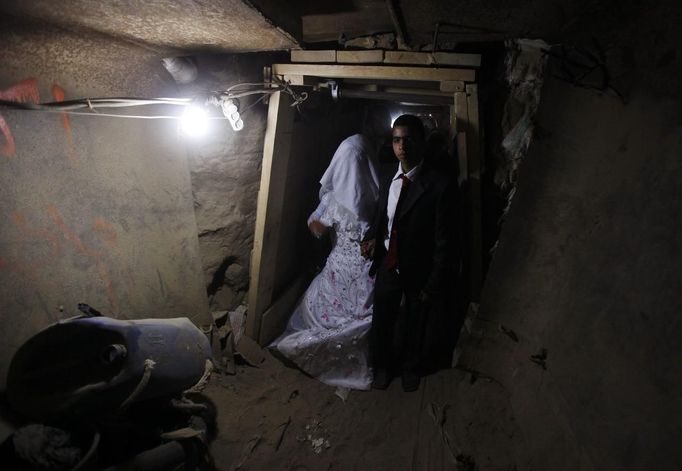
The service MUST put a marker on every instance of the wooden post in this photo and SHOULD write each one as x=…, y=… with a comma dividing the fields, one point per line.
x=473, y=145
x=375, y=72
x=276, y=153
x=460, y=115
x=468, y=142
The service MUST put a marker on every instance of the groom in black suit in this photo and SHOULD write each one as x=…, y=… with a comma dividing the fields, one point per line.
x=412, y=244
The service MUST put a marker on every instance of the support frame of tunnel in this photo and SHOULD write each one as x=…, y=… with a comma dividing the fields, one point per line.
x=268, y=311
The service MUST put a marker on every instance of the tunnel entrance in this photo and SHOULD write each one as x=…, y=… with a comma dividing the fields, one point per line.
x=447, y=101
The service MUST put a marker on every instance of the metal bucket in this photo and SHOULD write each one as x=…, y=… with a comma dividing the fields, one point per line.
x=87, y=366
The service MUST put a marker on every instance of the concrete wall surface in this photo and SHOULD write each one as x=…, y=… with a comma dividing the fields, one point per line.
x=92, y=209
x=588, y=268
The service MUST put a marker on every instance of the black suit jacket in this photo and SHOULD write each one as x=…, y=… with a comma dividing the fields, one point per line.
x=426, y=225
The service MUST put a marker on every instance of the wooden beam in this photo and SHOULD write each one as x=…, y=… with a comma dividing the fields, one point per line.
x=452, y=86
x=428, y=58
x=275, y=318
x=461, y=117
x=475, y=132
x=474, y=163
x=377, y=56
x=276, y=152
x=406, y=57
x=452, y=134
x=462, y=157
x=461, y=112
x=297, y=80
x=313, y=56
x=373, y=56
x=375, y=72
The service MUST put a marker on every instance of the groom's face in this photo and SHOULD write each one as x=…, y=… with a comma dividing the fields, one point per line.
x=406, y=145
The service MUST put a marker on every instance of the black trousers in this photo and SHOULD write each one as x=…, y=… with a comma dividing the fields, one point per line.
x=399, y=323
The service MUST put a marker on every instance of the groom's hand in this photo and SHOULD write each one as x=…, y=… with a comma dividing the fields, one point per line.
x=367, y=248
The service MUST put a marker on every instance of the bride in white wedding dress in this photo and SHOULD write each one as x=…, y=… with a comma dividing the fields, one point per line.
x=327, y=334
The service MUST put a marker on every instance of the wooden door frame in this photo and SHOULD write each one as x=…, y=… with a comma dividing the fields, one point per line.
x=265, y=312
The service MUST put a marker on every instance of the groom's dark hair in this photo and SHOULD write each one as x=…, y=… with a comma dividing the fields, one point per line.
x=412, y=122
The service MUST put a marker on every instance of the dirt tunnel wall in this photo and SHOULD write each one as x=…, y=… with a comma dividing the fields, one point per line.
x=93, y=209
x=226, y=175
x=588, y=269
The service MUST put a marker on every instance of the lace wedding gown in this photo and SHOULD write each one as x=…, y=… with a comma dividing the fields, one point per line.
x=327, y=333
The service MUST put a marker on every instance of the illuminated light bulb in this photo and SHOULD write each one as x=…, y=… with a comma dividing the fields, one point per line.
x=194, y=121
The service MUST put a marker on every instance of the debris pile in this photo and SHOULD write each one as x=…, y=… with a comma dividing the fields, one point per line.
x=317, y=435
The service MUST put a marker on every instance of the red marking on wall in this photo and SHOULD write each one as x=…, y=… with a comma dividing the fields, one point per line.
x=22, y=92
x=8, y=149
x=105, y=231
x=69, y=235
x=106, y=234
x=58, y=94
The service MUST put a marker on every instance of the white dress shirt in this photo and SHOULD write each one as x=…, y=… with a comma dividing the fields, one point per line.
x=394, y=194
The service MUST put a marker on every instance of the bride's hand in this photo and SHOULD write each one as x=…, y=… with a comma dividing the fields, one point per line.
x=317, y=228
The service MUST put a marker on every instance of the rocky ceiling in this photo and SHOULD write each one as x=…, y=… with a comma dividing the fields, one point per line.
x=165, y=25
x=259, y=25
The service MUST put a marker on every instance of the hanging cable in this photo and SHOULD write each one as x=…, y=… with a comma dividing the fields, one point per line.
x=226, y=100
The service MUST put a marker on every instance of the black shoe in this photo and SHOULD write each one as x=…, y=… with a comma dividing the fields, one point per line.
x=381, y=379
x=410, y=382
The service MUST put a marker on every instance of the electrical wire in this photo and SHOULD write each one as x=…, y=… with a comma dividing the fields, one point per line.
x=243, y=112
x=241, y=84
x=92, y=103
x=215, y=98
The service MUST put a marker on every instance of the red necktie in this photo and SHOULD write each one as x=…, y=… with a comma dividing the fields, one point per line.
x=392, y=255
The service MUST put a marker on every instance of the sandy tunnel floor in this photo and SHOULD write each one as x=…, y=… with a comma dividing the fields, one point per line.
x=276, y=418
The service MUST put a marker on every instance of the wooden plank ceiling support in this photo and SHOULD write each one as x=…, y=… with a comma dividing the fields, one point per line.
x=452, y=86
x=435, y=58
x=474, y=153
x=276, y=153
x=360, y=57
x=313, y=56
x=460, y=115
x=378, y=56
x=373, y=72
